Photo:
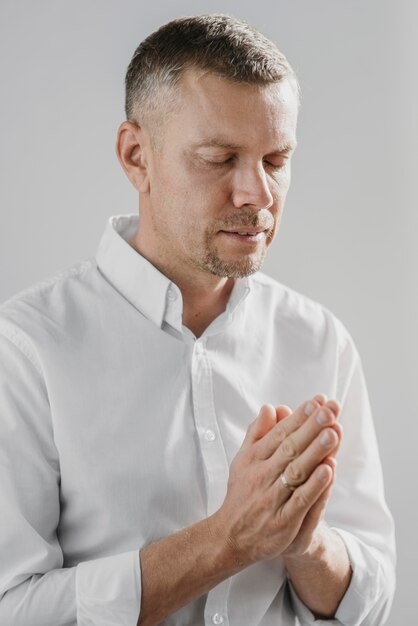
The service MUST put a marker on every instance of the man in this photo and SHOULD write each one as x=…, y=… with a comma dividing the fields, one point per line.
x=152, y=468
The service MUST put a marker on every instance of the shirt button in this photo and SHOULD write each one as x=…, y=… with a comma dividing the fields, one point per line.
x=217, y=618
x=210, y=436
x=171, y=295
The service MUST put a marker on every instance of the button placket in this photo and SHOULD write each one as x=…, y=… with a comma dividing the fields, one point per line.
x=213, y=451
x=209, y=435
x=214, y=460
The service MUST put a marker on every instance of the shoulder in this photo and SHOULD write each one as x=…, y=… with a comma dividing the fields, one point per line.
x=295, y=312
x=46, y=307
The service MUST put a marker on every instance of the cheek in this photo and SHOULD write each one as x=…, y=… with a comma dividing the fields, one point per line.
x=282, y=179
x=208, y=193
x=280, y=188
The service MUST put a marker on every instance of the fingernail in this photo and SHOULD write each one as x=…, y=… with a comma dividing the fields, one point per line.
x=326, y=438
x=323, y=418
x=309, y=408
x=322, y=474
x=334, y=406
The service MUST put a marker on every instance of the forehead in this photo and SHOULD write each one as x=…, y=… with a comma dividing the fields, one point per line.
x=213, y=109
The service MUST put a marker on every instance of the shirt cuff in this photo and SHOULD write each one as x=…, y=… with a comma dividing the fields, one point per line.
x=108, y=590
x=360, y=596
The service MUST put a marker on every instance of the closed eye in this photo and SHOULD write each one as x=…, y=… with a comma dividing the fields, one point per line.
x=220, y=163
x=231, y=159
x=275, y=166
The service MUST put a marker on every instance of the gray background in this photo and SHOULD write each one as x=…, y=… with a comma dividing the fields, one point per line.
x=349, y=234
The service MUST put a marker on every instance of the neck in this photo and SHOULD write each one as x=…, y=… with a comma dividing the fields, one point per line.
x=203, y=303
x=205, y=296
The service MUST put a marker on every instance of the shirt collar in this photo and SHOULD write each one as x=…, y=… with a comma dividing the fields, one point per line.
x=150, y=291
x=128, y=271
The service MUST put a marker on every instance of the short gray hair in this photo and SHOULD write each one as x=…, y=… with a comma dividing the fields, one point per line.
x=215, y=43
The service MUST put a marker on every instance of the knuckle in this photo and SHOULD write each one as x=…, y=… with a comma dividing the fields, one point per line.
x=279, y=433
x=288, y=448
x=283, y=519
x=295, y=474
x=300, y=419
x=284, y=516
x=301, y=499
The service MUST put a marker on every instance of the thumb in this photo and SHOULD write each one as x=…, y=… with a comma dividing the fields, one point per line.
x=263, y=423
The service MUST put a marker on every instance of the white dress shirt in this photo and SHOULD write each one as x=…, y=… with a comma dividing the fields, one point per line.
x=118, y=426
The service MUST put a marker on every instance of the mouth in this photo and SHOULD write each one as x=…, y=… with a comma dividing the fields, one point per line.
x=246, y=234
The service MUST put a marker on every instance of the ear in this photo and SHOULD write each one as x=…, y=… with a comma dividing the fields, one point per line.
x=132, y=146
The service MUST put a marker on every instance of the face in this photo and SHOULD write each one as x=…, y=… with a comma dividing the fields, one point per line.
x=218, y=182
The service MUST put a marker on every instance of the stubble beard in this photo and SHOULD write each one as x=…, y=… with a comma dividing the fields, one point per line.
x=217, y=266
x=249, y=263
x=213, y=262
x=208, y=258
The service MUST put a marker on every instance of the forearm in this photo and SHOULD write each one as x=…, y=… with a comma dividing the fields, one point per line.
x=322, y=576
x=180, y=568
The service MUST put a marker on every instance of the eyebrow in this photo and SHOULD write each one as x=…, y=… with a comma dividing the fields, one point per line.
x=219, y=143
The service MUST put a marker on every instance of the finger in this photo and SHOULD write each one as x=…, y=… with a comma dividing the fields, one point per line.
x=335, y=406
x=282, y=411
x=309, y=526
x=321, y=398
x=269, y=444
x=339, y=430
x=293, y=445
x=305, y=496
x=263, y=423
x=299, y=470
x=332, y=462
x=315, y=514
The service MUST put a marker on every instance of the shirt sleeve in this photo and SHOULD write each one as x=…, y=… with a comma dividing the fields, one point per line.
x=35, y=588
x=357, y=510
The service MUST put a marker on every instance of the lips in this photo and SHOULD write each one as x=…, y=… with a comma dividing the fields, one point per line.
x=250, y=237
x=245, y=231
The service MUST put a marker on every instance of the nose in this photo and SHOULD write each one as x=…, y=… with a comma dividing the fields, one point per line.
x=251, y=187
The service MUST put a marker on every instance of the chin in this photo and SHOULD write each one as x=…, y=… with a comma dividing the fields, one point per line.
x=233, y=269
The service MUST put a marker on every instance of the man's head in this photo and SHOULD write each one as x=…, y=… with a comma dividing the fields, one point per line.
x=211, y=106
x=215, y=44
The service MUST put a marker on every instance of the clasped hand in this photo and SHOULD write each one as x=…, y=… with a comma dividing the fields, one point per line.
x=261, y=517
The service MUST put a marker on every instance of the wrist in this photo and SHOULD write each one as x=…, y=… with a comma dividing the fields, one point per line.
x=224, y=547
x=326, y=553
x=315, y=551
x=321, y=575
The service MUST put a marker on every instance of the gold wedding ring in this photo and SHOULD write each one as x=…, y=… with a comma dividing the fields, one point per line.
x=285, y=483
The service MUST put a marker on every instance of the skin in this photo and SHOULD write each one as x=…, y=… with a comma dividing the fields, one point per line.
x=190, y=191
x=223, y=164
